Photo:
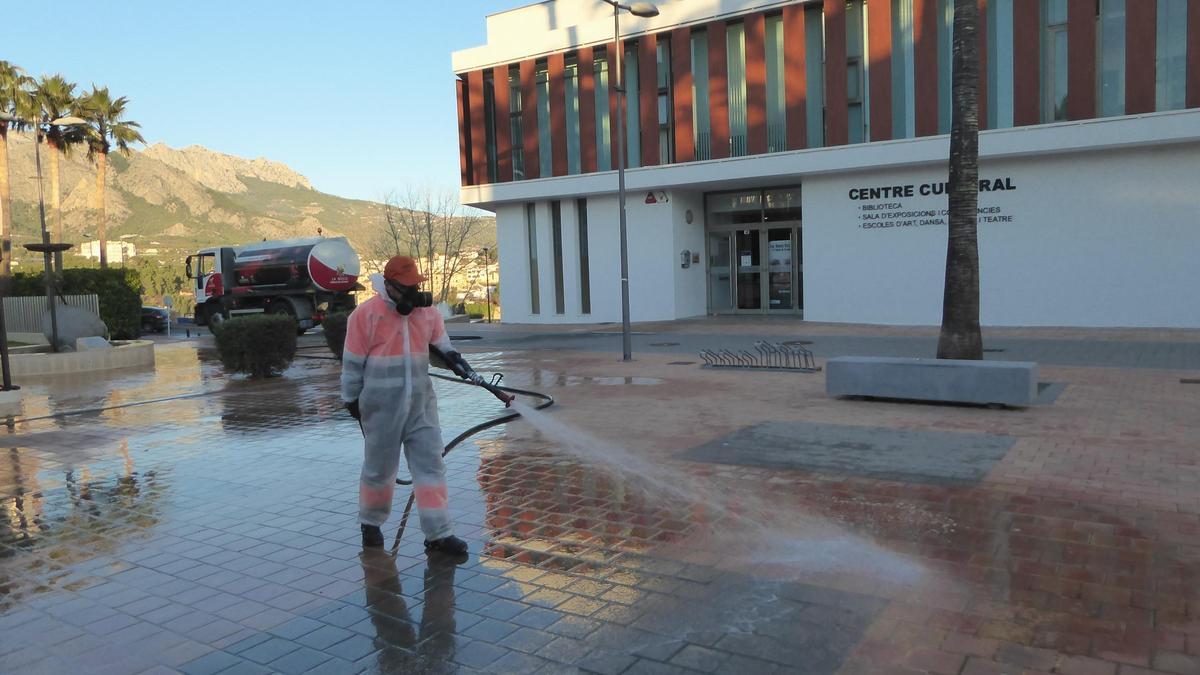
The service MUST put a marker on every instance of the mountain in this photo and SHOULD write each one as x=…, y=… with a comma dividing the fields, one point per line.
x=179, y=200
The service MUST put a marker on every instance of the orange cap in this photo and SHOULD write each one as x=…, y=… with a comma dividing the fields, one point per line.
x=403, y=270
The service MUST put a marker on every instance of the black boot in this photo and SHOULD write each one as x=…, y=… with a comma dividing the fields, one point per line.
x=372, y=536
x=451, y=547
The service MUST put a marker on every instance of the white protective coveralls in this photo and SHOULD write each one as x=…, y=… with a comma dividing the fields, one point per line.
x=385, y=367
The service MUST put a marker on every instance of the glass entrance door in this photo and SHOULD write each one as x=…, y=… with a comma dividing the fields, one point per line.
x=720, y=275
x=780, y=279
x=749, y=268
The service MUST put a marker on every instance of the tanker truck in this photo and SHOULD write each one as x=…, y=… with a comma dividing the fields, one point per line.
x=302, y=278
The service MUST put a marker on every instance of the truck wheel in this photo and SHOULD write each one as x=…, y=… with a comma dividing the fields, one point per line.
x=216, y=316
x=285, y=307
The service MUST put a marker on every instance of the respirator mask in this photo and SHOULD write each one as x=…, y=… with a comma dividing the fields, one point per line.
x=408, y=298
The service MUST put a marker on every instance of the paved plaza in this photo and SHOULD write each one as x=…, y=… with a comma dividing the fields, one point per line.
x=689, y=520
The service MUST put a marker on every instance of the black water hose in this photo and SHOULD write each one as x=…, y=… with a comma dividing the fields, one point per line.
x=547, y=401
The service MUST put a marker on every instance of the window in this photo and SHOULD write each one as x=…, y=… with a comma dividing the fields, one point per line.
x=1111, y=71
x=545, y=154
x=735, y=60
x=516, y=131
x=701, y=126
x=945, y=40
x=633, y=139
x=1170, y=63
x=489, y=116
x=666, y=108
x=1054, y=60
x=814, y=60
x=856, y=85
x=603, y=124
x=571, y=87
x=556, y=231
x=585, y=270
x=904, y=115
x=776, y=101
x=535, y=304
x=1000, y=64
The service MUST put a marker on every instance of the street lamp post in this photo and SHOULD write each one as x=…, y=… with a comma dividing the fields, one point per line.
x=642, y=9
x=487, y=281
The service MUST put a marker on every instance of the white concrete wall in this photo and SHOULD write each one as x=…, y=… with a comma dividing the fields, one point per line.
x=691, y=294
x=1098, y=239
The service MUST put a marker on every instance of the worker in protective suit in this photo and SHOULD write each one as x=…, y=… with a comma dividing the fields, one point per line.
x=386, y=386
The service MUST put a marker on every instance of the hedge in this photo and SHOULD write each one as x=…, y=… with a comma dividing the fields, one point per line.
x=334, y=326
x=259, y=345
x=119, y=290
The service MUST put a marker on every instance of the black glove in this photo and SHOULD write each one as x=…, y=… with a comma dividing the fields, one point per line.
x=352, y=408
x=461, y=368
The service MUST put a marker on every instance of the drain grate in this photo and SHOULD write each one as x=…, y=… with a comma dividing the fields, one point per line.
x=664, y=344
x=992, y=350
x=682, y=363
x=1189, y=380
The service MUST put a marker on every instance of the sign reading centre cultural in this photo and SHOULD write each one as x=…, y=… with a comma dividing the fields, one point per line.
x=885, y=210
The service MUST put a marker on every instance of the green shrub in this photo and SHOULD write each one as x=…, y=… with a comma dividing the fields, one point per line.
x=334, y=326
x=476, y=310
x=119, y=290
x=260, y=345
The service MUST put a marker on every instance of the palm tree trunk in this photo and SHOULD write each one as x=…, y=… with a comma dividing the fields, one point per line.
x=960, y=337
x=101, y=167
x=5, y=206
x=55, y=200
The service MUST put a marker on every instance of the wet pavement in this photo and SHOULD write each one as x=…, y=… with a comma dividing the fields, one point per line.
x=178, y=520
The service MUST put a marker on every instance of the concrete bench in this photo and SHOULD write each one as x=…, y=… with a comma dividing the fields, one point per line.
x=1011, y=383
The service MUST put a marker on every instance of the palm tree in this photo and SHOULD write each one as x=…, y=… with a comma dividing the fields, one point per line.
x=55, y=98
x=960, y=337
x=13, y=95
x=107, y=128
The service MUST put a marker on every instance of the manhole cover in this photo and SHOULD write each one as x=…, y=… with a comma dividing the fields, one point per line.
x=664, y=344
x=796, y=343
x=992, y=350
x=682, y=363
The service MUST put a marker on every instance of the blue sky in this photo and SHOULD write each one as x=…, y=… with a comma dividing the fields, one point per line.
x=357, y=95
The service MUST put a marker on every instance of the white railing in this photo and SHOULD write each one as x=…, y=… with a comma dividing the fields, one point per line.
x=24, y=314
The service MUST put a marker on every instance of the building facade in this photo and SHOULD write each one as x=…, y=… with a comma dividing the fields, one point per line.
x=791, y=158
x=117, y=251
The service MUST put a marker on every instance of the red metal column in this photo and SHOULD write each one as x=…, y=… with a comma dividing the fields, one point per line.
x=587, y=110
x=478, y=136
x=837, y=124
x=1027, y=35
x=464, y=139
x=558, y=113
x=1141, y=33
x=647, y=109
x=795, y=76
x=879, y=62
x=718, y=90
x=529, y=120
x=1193, y=55
x=983, y=65
x=1081, y=59
x=504, y=168
x=681, y=82
x=925, y=57
x=756, y=85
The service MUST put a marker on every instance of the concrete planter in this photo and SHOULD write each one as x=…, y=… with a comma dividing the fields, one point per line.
x=1011, y=383
x=122, y=355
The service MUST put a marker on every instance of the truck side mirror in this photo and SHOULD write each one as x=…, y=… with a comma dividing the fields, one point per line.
x=188, y=267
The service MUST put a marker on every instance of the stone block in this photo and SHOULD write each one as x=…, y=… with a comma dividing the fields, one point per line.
x=1011, y=383
x=84, y=344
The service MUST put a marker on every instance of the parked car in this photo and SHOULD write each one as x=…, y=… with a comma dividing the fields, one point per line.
x=154, y=320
